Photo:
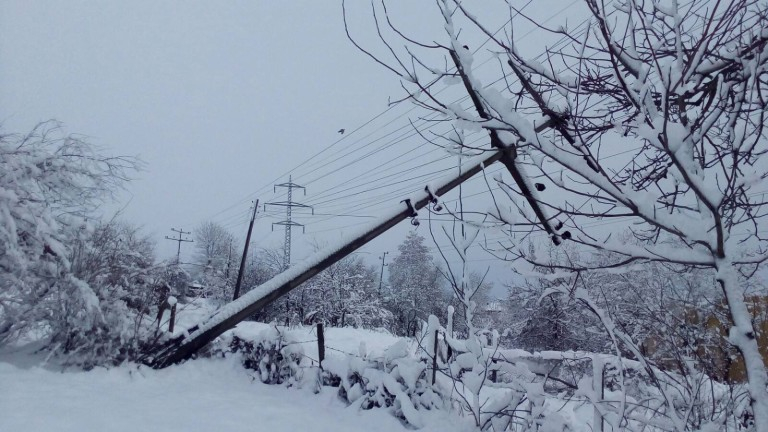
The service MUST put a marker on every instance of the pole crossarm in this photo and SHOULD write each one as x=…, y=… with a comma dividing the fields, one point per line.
x=290, y=184
x=179, y=240
x=289, y=204
x=289, y=223
x=508, y=158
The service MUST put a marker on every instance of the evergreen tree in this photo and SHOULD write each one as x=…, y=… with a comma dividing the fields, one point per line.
x=549, y=320
x=415, y=286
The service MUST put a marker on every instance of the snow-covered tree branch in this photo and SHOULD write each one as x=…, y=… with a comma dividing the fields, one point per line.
x=653, y=116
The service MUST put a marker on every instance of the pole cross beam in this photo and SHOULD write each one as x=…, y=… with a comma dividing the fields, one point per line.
x=288, y=204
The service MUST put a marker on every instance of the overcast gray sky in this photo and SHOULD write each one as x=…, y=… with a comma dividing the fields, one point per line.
x=222, y=99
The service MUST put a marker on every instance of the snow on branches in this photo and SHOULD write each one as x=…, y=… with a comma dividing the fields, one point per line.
x=62, y=276
x=648, y=113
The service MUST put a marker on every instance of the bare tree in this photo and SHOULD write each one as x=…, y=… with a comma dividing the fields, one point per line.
x=215, y=247
x=677, y=90
x=117, y=256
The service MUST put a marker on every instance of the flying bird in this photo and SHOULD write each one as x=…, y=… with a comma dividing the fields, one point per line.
x=341, y=131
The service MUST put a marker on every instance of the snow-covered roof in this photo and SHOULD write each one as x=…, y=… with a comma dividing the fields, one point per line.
x=493, y=306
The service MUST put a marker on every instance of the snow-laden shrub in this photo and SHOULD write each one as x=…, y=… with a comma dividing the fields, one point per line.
x=272, y=355
x=396, y=381
x=497, y=389
x=50, y=184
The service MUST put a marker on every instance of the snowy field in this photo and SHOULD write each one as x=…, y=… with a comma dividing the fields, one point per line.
x=201, y=395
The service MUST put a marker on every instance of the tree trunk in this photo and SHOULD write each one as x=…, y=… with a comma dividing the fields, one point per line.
x=742, y=335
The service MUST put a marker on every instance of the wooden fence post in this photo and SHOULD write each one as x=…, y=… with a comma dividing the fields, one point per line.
x=172, y=303
x=160, y=312
x=173, y=318
x=434, y=360
x=598, y=375
x=320, y=344
x=448, y=334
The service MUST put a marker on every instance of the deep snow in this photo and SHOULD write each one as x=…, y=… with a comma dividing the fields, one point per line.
x=200, y=395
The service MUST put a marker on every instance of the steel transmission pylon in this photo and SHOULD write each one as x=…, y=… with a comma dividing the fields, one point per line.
x=288, y=223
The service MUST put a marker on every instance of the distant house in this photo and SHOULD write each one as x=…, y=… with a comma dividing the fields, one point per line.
x=491, y=313
x=724, y=362
x=195, y=289
x=494, y=307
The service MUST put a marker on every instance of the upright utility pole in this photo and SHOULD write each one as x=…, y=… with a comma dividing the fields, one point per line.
x=288, y=223
x=229, y=261
x=245, y=253
x=179, y=240
x=381, y=277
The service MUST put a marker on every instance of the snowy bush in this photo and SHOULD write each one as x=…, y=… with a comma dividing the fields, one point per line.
x=50, y=184
x=274, y=358
x=496, y=388
x=398, y=381
x=395, y=381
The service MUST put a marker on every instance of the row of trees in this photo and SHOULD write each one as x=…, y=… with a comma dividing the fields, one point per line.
x=350, y=292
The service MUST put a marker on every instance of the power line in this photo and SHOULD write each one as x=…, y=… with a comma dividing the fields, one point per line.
x=379, y=115
x=396, y=140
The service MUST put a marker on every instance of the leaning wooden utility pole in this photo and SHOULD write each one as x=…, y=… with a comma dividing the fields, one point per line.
x=185, y=345
x=245, y=253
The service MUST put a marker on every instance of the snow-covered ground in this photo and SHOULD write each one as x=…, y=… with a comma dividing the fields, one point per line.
x=220, y=394
x=200, y=395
